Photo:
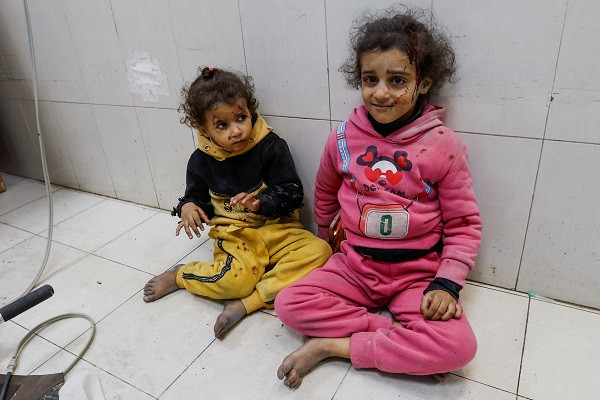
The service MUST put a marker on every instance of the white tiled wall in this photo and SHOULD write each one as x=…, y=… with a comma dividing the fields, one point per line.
x=526, y=104
x=507, y=52
x=146, y=25
x=15, y=48
x=575, y=112
x=99, y=54
x=286, y=52
x=561, y=254
x=203, y=30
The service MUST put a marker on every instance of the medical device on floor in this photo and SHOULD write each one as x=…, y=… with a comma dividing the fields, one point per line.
x=34, y=387
x=24, y=303
x=10, y=311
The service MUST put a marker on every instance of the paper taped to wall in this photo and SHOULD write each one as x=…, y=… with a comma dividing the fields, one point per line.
x=146, y=78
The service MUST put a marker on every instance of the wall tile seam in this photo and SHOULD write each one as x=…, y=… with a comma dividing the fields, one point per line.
x=174, y=39
x=500, y=289
x=543, y=140
x=242, y=36
x=327, y=59
x=537, y=172
x=317, y=119
x=89, y=104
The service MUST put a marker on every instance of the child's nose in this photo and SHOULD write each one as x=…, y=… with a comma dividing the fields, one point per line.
x=236, y=130
x=382, y=91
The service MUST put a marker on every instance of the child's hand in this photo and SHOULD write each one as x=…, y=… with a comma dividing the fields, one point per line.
x=247, y=200
x=438, y=304
x=192, y=218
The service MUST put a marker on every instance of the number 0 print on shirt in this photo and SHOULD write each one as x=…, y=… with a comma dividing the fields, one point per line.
x=384, y=222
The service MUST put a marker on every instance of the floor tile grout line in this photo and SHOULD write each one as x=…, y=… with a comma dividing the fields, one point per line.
x=483, y=383
x=341, y=382
x=517, y=293
x=39, y=337
x=57, y=223
x=90, y=362
x=23, y=205
x=86, y=330
x=107, y=372
x=500, y=289
x=523, y=348
x=572, y=306
x=188, y=366
x=511, y=292
x=127, y=231
x=16, y=244
x=116, y=199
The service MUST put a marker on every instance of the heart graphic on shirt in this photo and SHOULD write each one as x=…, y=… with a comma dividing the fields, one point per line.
x=373, y=175
x=393, y=177
x=367, y=158
x=400, y=161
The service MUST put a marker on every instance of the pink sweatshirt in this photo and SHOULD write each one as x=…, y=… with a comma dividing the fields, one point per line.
x=403, y=191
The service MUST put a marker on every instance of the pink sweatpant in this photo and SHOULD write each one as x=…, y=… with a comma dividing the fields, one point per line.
x=334, y=301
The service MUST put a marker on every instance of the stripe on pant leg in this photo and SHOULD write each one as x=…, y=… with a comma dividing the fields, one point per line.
x=214, y=278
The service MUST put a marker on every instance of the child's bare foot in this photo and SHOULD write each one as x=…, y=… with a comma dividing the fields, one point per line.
x=161, y=285
x=397, y=323
x=439, y=377
x=297, y=364
x=233, y=311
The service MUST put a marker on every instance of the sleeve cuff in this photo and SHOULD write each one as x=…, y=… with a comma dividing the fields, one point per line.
x=446, y=285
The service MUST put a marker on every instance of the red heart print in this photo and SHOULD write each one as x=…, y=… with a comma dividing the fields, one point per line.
x=371, y=174
x=367, y=157
x=400, y=161
x=393, y=177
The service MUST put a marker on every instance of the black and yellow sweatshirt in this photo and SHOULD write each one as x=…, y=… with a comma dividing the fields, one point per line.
x=265, y=168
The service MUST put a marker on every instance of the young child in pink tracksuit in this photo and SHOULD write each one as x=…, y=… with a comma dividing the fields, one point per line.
x=402, y=183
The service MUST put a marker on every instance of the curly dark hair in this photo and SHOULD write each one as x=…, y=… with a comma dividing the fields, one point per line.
x=410, y=30
x=213, y=86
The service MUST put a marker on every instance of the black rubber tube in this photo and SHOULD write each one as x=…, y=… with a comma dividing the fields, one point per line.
x=24, y=303
x=5, y=386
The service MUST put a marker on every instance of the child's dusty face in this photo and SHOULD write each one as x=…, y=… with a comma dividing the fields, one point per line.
x=389, y=85
x=229, y=126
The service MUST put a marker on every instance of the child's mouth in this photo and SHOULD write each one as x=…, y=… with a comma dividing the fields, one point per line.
x=383, y=107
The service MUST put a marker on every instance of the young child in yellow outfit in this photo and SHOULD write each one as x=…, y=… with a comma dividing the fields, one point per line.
x=242, y=181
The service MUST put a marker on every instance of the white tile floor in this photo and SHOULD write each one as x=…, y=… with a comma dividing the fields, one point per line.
x=104, y=251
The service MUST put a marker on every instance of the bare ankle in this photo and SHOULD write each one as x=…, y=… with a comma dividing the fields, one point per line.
x=335, y=347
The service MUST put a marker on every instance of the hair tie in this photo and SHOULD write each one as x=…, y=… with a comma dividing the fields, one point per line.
x=207, y=73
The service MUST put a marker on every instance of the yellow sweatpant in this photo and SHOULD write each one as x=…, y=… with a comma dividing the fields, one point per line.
x=254, y=264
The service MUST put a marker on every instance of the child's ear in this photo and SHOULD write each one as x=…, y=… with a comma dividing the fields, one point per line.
x=424, y=85
x=202, y=131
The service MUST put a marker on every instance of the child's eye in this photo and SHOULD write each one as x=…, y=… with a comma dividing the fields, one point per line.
x=222, y=125
x=369, y=80
x=242, y=117
x=397, y=80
